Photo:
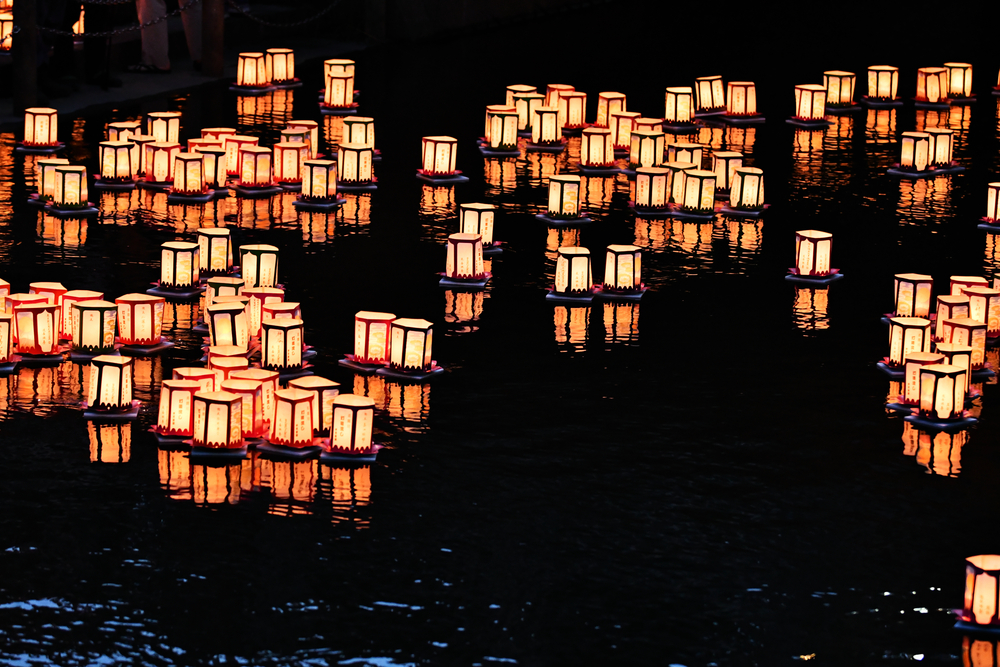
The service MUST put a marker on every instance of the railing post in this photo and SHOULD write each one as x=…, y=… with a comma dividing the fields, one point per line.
x=24, y=51
x=213, y=30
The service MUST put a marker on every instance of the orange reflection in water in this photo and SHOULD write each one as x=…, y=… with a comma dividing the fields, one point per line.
x=880, y=126
x=991, y=258
x=464, y=308
x=807, y=157
x=895, y=393
x=347, y=489
x=333, y=130
x=621, y=323
x=180, y=316
x=713, y=137
x=147, y=376
x=356, y=210
x=317, y=227
x=500, y=174
x=438, y=203
x=540, y=167
x=741, y=140
x=110, y=442
x=596, y=192
x=38, y=391
x=810, y=309
x=252, y=213
x=940, y=453
x=572, y=327
x=839, y=135
x=980, y=652
x=744, y=233
x=186, y=218
x=117, y=207
x=292, y=484
x=993, y=359
x=410, y=402
x=65, y=233
x=270, y=111
x=216, y=484
x=174, y=468
x=925, y=200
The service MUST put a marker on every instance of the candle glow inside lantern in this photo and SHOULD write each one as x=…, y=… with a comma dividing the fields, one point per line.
x=564, y=197
x=159, y=161
x=268, y=381
x=439, y=154
x=725, y=164
x=354, y=165
x=957, y=355
x=233, y=144
x=313, y=129
x=967, y=331
x=812, y=254
x=574, y=277
x=292, y=425
x=676, y=174
x=501, y=128
x=164, y=126
x=623, y=270
x=652, y=188
x=66, y=303
x=7, y=357
x=281, y=344
x=684, y=152
x=940, y=146
x=932, y=85
x=189, y=174
x=553, y=91
x=810, y=103
x=92, y=324
x=992, y=202
x=255, y=167
x=205, y=377
x=213, y=170
x=912, y=363
x=646, y=149
x=116, y=161
x=915, y=151
x=913, y=294
x=679, y=106
x=215, y=250
x=518, y=89
x=37, y=327
x=709, y=94
x=138, y=153
x=41, y=126
x=251, y=392
x=196, y=145
x=45, y=176
x=258, y=297
x=982, y=593
x=906, y=336
x=410, y=346
x=279, y=66
x=984, y=306
x=111, y=386
x=621, y=126
x=175, y=418
x=228, y=323
x=371, y=340
x=949, y=306
x=464, y=260
x=478, y=219
x=351, y=426
x=741, y=98
x=323, y=392
x=607, y=104
x=69, y=187
x=882, y=83
x=545, y=130
x=319, y=181
x=839, y=88
x=251, y=71
x=140, y=319
x=942, y=392
x=597, y=149
x=6, y=30
x=572, y=110
x=277, y=310
x=224, y=367
x=338, y=91
x=14, y=301
x=699, y=191
x=359, y=130
x=288, y=160
x=259, y=263
x=124, y=130
x=525, y=105
x=218, y=421
x=180, y=264
x=957, y=284
x=959, y=80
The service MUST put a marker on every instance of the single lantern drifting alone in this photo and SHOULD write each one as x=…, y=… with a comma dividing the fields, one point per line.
x=410, y=351
x=70, y=193
x=464, y=262
x=981, y=610
x=597, y=152
x=175, y=417
x=189, y=185
x=110, y=394
x=906, y=335
x=622, y=274
x=354, y=168
x=840, y=92
x=180, y=267
x=291, y=433
x=41, y=126
x=479, y=219
x=93, y=324
x=710, y=96
x=116, y=166
x=564, y=202
x=741, y=104
x=942, y=399
x=215, y=251
x=279, y=65
x=45, y=177
x=574, y=280
x=8, y=360
x=438, y=155
x=960, y=83
x=371, y=342
x=251, y=75
x=500, y=137
x=140, y=322
x=932, y=88
x=6, y=29
x=217, y=431
x=991, y=221
x=546, y=135
x=812, y=259
x=319, y=186
x=883, y=81
x=349, y=437
x=915, y=156
x=678, y=116
x=652, y=192
x=810, y=106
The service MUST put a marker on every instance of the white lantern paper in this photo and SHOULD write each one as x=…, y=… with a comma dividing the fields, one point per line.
x=959, y=80
x=709, y=94
x=259, y=265
x=915, y=151
x=882, y=83
x=279, y=65
x=323, y=392
x=319, y=180
x=110, y=383
x=164, y=126
x=465, y=257
x=292, y=425
x=251, y=71
x=942, y=392
x=597, y=149
x=41, y=127
x=810, y=102
x=179, y=264
x=812, y=252
x=839, y=88
x=623, y=268
x=652, y=190
x=741, y=99
x=371, y=337
x=215, y=250
x=218, y=420
x=906, y=336
x=351, y=425
x=175, y=416
x=410, y=346
x=354, y=164
x=647, y=148
x=607, y=104
x=679, y=105
x=140, y=318
x=913, y=294
x=932, y=85
x=281, y=344
x=439, y=154
x=477, y=219
x=37, y=326
x=573, y=272
x=564, y=196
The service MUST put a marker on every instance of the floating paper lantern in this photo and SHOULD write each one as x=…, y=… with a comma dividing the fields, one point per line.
x=92, y=325
x=992, y=202
x=110, y=384
x=220, y=287
x=214, y=167
x=410, y=346
x=354, y=164
x=196, y=145
x=233, y=145
x=179, y=264
x=839, y=88
x=259, y=264
x=913, y=295
x=224, y=367
x=939, y=146
x=621, y=126
x=597, y=149
x=525, y=105
x=959, y=80
x=6, y=30
x=189, y=174
x=4, y=291
x=741, y=99
x=288, y=159
x=217, y=133
x=323, y=392
x=518, y=89
x=725, y=164
x=907, y=335
x=439, y=154
x=949, y=306
x=292, y=425
x=140, y=318
x=709, y=94
x=319, y=180
x=465, y=258
x=7, y=341
x=623, y=268
x=41, y=126
x=251, y=71
x=215, y=250
x=313, y=128
x=684, y=152
x=957, y=355
x=553, y=91
x=477, y=219
x=205, y=377
x=66, y=303
x=37, y=328
x=371, y=337
x=564, y=196
x=138, y=153
x=915, y=151
x=967, y=331
x=251, y=392
x=14, y=301
x=957, y=284
x=281, y=309
x=810, y=102
x=913, y=362
x=339, y=91
x=942, y=392
x=228, y=323
x=116, y=161
x=652, y=190
x=69, y=187
x=45, y=175
x=572, y=110
x=812, y=252
x=699, y=191
x=218, y=420
x=573, y=272
x=607, y=104
x=281, y=344
x=175, y=417
x=932, y=85
x=982, y=591
x=159, y=161
x=51, y=291
x=258, y=297
x=984, y=306
x=545, y=129
x=351, y=425
x=676, y=178
x=164, y=126
x=359, y=130
x=255, y=167
x=279, y=66
x=679, y=105
x=124, y=130
x=882, y=83
x=501, y=129
x=269, y=381
x=646, y=149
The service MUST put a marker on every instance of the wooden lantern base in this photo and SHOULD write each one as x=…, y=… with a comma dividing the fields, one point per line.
x=927, y=424
x=281, y=452
x=726, y=209
x=881, y=104
x=72, y=212
x=752, y=119
x=209, y=454
x=449, y=179
x=563, y=222
x=809, y=124
x=38, y=150
x=252, y=90
x=304, y=205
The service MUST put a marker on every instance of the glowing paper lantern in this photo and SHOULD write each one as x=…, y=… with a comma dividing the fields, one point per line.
x=477, y=219
x=268, y=381
x=982, y=590
x=6, y=30
x=942, y=392
x=992, y=202
x=684, y=152
x=288, y=159
x=574, y=277
x=92, y=325
x=812, y=252
x=179, y=264
x=564, y=196
x=281, y=344
x=281, y=309
x=623, y=268
x=313, y=128
x=882, y=83
x=251, y=392
x=949, y=306
x=228, y=323
x=279, y=66
x=140, y=319
x=741, y=99
x=359, y=130
x=939, y=146
x=339, y=91
x=292, y=425
x=323, y=392
x=138, y=153
x=354, y=165
x=258, y=297
x=646, y=149
x=351, y=425
x=607, y=104
x=69, y=187
x=709, y=94
x=255, y=167
x=676, y=178
x=907, y=335
x=553, y=91
x=189, y=174
x=967, y=331
x=110, y=384
x=175, y=417
x=214, y=167
x=518, y=89
x=124, y=130
x=410, y=346
x=51, y=291
x=259, y=264
x=45, y=176
x=699, y=191
x=439, y=154
x=545, y=129
x=652, y=189
x=932, y=85
x=839, y=88
x=37, y=327
x=233, y=144
x=14, y=301
x=810, y=102
x=251, y=71
x=959, y=80
x=915, y=151
x=215, y=250
x=957, y=355
x=597, y=149
x=525, y=105
x=465, y=258
x=501, y=128
x=913, y=295
x=164, y=126
x=984, y=306
x=957, y=284
x=725, y=164
x=371, y=337
x=204, y=377
x=41, y=126
x=7, y=357
x=159, y=161
x=196, y=145
x=572, y=110
x=224, y=367
x=319, y=180
x=912, y=364
x=679, y=105
x=116, y=161
x=66, y=303
x=218, y=420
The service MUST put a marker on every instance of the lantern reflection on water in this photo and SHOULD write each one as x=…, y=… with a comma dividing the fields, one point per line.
x=371, y=341
x=621, y=323
x=571, y=327
x=462, y=307
x=292, y=484
x=939, y=452
x=110, y=394
x=811, y=308
x=110, y=443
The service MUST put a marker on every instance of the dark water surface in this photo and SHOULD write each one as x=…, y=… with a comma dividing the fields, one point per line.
x=708, y=477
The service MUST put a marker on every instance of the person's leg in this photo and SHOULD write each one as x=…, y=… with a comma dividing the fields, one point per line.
x=192, y=29
x=154, y=37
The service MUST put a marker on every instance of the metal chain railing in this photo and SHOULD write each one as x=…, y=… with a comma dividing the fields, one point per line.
x=117, y=31
x=270, y=24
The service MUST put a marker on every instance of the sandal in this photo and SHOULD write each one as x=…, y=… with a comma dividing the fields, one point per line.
x=143, y=68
